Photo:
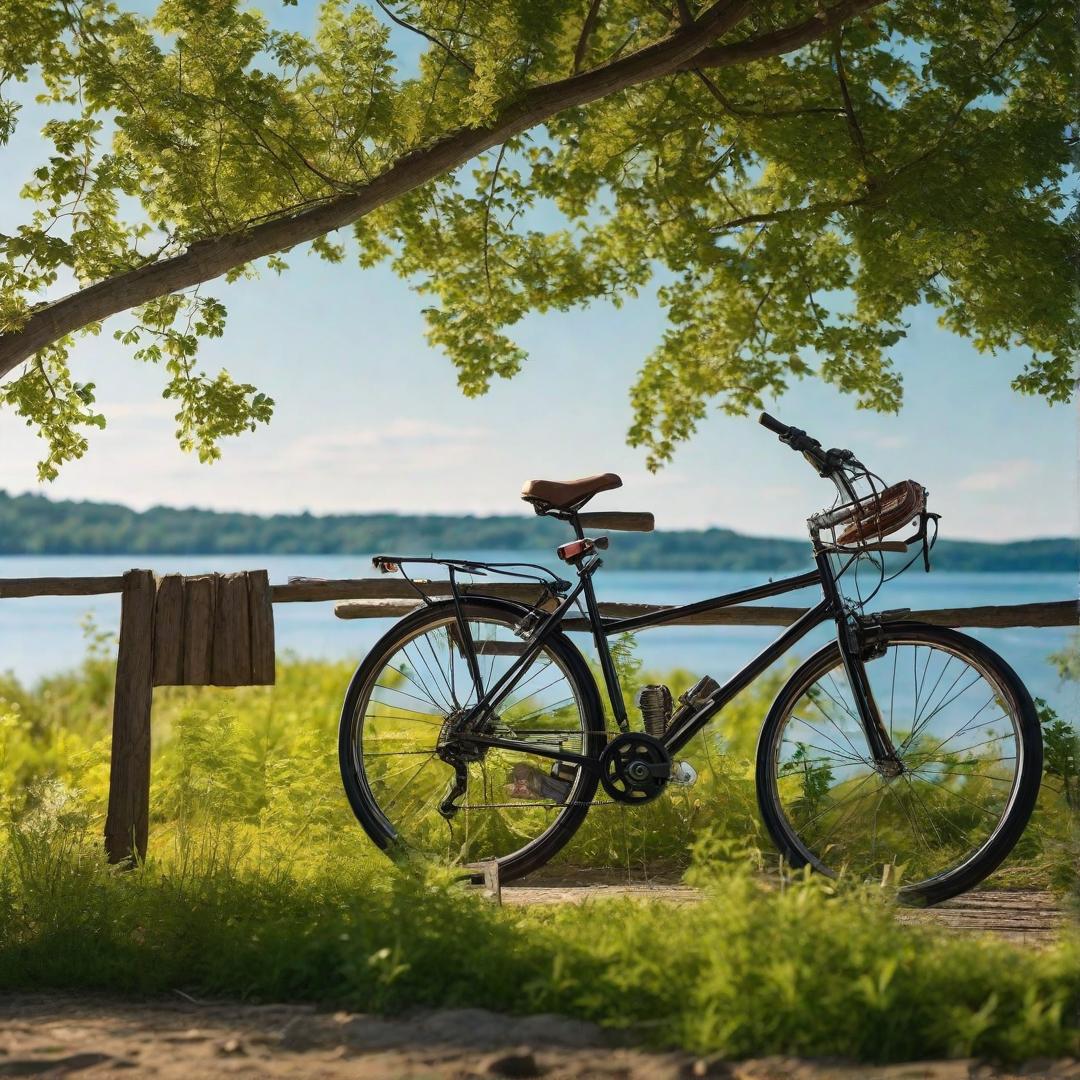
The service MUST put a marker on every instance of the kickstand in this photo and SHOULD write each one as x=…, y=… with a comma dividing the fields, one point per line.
x=492, y=884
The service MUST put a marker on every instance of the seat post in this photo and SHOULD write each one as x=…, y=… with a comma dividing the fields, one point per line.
x=575, y=524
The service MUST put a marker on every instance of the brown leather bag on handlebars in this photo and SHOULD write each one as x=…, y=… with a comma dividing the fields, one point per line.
x=876, y=516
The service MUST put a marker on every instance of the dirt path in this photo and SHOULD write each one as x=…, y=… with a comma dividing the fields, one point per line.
x=58, y=1035
x=1023, y=916
x=67, y=1036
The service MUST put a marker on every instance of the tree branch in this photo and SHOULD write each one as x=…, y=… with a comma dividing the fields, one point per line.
x=827, y=206
x=849, y=108
x=210, y=258
x=738, y=109
x=452, y=53
x=587, y=29
x=781, y=41
x=487, y=217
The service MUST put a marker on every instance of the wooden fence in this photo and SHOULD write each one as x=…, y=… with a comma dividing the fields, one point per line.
x=218, y=630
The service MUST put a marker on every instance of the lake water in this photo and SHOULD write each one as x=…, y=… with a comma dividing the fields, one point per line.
x=39, y=636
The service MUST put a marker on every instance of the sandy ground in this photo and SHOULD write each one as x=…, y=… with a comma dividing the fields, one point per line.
x=67, y=1036
x=62, y=1035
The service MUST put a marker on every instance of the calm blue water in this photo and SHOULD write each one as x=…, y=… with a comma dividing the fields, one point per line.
x=43, y=635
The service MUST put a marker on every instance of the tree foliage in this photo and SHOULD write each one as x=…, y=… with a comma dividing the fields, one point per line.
x=792, y=177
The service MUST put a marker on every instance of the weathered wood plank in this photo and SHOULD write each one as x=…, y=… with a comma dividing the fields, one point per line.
x=13, y=588
x=261, y=622
x=1054, y=613
x=128, y=819
x=169, y=631
x=230, y=663
x=619, y=520
x=388, y=589
x=200, y=593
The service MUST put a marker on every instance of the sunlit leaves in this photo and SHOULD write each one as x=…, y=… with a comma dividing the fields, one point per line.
x=790, y=211
x=49, y=399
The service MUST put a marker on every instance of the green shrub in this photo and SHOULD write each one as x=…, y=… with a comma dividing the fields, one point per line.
x=261, y=886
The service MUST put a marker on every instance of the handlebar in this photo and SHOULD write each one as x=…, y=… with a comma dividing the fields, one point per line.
x=774, y=425
x=805, y=444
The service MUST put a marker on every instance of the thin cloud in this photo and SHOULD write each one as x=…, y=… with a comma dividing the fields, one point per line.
x=403, y=436
x=1004, y=476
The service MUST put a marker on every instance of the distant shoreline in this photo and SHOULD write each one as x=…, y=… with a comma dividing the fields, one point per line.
x=35, y=525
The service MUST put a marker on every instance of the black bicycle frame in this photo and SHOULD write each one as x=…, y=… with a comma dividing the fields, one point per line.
x=831, y=607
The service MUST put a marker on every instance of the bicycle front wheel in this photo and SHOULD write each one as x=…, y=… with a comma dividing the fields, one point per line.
x=970, y=749
x=416, y=787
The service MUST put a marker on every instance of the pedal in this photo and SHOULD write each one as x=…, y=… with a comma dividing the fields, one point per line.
x=682, y=773
x=529, y=782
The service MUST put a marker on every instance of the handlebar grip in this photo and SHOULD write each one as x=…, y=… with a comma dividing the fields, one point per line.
x=774, y=425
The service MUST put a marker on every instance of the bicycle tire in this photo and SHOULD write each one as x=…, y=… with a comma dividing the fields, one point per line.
x=990, y=854
x=364, y=805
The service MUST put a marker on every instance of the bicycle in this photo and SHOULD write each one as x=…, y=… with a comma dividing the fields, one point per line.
x=473, y=731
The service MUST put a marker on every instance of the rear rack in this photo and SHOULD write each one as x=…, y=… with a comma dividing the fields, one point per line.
x=547, y=579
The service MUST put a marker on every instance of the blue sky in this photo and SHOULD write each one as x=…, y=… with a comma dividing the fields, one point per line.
x=369, y=417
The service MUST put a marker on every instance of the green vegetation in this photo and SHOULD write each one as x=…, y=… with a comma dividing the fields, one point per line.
x=35, y=525
x=260, y=885
x=795, y=178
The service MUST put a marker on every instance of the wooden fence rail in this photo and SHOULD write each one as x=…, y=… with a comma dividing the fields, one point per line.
x=218, y=629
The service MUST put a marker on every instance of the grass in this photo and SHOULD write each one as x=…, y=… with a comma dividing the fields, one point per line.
x=260, y=886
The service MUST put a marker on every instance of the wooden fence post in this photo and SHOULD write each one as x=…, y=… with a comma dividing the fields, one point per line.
x=127, y=823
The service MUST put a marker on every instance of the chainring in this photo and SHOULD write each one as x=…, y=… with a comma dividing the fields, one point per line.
x=634, y=767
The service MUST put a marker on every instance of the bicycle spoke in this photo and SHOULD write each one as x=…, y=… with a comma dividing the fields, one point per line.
x=919, y=723
x=442, y=674
x=842, y=802
x=967, y=727
x=412, y=777
x=395, y=753
x=419, y=685
x=410, y=718
x=839, y=749
x=541, y=711
x=906, y=810
x=507, y=706
x=915, y=795
x=959, y=759
x=412, y=697
x=955, y=795
x=850, y=814
x=933, y=689
x=854, y=749
x=408, y=707
x=944, y=705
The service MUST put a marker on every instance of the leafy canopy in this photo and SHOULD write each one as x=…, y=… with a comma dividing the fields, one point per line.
x=791, y=207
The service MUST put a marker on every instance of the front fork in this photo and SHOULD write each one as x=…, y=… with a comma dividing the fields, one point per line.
x=856, y=649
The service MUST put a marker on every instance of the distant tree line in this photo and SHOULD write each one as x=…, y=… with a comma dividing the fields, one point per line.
x=35, y=525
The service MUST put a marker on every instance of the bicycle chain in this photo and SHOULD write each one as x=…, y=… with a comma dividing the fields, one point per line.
x=548, y=806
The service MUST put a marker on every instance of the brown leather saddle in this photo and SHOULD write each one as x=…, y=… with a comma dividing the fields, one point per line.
x=567, y=494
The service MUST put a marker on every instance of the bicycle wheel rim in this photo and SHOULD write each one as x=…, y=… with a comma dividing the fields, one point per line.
x=460, y=842
x=902, y=868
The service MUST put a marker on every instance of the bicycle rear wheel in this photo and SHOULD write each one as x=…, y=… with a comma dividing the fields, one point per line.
x=970, y=747
x=400, y=716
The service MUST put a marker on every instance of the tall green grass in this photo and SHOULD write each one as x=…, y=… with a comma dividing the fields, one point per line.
x=261, y=886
